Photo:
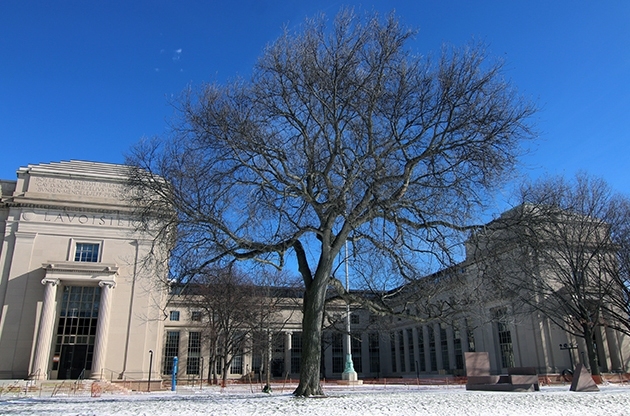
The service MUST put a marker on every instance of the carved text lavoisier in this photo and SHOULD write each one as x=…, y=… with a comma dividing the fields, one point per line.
x=58, y=217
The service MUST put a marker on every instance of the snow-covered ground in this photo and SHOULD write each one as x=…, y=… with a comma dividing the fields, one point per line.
x=363, y=400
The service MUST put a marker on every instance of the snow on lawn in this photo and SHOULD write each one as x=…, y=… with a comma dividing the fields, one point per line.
x=363, y=400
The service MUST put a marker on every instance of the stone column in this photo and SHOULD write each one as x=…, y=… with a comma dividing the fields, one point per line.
x=438, y=346
x=39, y=371
x=102, y=328
x=287, y=352
x=416, y=349
x=427, y=349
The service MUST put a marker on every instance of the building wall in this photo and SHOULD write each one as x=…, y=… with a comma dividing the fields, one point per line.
x=53, y=208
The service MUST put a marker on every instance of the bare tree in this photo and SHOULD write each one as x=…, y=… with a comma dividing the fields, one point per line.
x=342, y=133
x=556, y=254
x=230, y=311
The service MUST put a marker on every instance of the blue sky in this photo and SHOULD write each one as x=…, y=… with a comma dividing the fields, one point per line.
x=86, y=79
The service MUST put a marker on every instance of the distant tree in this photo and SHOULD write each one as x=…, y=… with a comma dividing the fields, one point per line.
x=561, y=252
x=341, y=133
x=233, y=311
x=227, y=303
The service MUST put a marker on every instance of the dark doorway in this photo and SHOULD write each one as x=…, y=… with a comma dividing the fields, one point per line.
x=277, y=367
x=72, y=361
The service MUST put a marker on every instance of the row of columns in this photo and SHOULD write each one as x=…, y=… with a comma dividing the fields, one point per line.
x=41, y=361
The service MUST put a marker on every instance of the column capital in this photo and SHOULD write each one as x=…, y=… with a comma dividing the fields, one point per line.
x=107, y=283
x=52, y=280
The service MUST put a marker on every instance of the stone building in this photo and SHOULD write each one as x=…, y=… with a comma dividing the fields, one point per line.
x=75, y=302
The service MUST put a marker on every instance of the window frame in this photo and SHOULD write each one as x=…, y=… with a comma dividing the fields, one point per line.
x=74, y=245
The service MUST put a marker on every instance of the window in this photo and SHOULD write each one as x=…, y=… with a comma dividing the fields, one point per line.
x=174, y=316
x=432, y=351
x=357, y=362
x=237, y=363
x=296, y=351
x=410, y=351
x=337, y=353
x=194, y=352
x=195, y=316
x=171, y=349
x=457, y=345
x=375, y=359
x=86, y=252
x=505, y=338
x=392, y=343
x=401, y=351
x=354, y=319
x=76, y=328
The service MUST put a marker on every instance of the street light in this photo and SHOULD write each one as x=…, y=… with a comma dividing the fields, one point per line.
x=348, y=372
x=201, y=374
x=150, y=368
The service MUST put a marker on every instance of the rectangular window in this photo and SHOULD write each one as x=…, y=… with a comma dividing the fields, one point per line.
x=173, y=316
x=457, y=345
x=195, y=316
x=432, y=350
x=76, y=329
x=505, y=338
x=171, y=350
x=401, y=351
x=296, y=351
x=194, y=352
x=410, y=351
x=356, y=355
x=86, y=252
x=374, y=350
x=423, y=364
x=337, y=353
x=237, y=364
x=354, y=319
x=392, y=341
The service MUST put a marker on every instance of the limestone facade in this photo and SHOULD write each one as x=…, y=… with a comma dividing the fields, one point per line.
x=74, y=302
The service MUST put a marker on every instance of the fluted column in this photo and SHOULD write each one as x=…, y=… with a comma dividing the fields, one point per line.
x=39, y=371
x=102, y=327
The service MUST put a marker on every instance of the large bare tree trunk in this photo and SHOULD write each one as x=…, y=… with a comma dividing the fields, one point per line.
x=589, y=338
x=312, y=320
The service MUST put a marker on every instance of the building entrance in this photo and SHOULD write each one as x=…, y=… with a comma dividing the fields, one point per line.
x=76, y=331
x=72, y=362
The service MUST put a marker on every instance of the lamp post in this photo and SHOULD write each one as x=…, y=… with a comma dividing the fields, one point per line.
x=150, y=369
x=348, y=373
x=201, y=374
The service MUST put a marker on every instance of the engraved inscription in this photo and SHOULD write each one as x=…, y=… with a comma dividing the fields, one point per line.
x=57, y=217
x=76, y=187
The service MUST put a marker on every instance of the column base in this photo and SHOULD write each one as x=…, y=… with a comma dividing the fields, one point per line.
x=349, y=376
x=350, y=382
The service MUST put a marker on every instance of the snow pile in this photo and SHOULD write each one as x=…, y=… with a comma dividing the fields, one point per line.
x=365, y=400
